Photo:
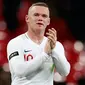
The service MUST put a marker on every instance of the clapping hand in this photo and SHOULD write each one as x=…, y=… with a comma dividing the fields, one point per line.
x=52, y=36
x=51, y=42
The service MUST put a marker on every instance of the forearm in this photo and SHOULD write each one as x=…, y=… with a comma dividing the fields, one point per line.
x=61, y=64
x=27, y=67
x=62, y=67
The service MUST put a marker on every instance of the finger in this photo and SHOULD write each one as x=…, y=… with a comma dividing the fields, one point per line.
x=52, y=42
x=49, y=34
x=55, y=32
x=52, y=31
x=51, y=39
x=52, y=36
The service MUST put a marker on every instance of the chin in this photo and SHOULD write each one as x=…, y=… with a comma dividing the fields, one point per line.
x=40, y=29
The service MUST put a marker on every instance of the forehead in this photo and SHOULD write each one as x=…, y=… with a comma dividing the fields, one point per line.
x=39, y=9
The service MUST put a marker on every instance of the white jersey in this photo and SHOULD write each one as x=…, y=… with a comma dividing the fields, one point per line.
x=30, y=65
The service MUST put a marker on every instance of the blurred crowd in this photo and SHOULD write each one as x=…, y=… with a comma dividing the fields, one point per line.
x=75, y=50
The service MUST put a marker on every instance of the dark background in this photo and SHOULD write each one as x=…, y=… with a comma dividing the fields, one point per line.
x=70, y=10
x=67, y=17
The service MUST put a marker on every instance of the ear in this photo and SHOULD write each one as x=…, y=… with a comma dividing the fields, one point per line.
x=48, y=21
x=27, y=18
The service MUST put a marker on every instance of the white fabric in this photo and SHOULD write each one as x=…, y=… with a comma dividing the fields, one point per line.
x=38, y=70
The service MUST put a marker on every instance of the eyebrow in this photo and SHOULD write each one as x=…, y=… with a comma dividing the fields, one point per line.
x=45, y=15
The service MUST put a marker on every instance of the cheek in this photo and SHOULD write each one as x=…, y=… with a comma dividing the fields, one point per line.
x=46, y=23
x=32, y=21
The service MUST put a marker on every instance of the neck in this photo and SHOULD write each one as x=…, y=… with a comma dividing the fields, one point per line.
x=37, y=37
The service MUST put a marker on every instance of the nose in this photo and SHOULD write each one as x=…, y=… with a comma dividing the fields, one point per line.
x=40, y=18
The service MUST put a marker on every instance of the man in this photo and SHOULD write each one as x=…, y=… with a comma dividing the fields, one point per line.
x=32, y=56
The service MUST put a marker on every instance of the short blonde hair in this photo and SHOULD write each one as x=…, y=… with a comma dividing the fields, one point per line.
x=39, y=4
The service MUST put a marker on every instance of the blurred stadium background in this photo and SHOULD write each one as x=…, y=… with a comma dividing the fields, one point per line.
x=68, y=19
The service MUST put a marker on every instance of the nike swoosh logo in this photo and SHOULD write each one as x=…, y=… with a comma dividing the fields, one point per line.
x=27, y=50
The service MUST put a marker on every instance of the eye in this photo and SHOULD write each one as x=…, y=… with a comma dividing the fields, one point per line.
x=44, y=15
x=36, y=14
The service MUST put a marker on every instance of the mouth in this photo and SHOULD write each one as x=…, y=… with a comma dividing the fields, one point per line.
x=40, y=24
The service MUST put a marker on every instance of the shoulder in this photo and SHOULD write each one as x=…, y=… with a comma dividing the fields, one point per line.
x=59, y=45
x=16, y=41
x=59, y=48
